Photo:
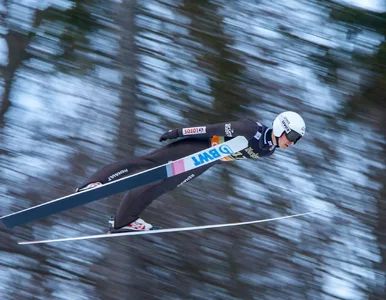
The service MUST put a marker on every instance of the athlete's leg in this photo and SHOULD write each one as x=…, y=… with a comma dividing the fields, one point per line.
x=130, y=166
x=136, y=200
x=116, y=171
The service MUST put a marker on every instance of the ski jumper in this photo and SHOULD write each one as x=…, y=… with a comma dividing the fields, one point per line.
x=194, y=139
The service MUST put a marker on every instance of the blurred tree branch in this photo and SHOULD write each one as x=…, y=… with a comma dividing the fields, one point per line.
x=67, y=31
x=17, y=42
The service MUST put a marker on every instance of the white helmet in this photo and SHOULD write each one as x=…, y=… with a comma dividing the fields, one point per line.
x=290, y=123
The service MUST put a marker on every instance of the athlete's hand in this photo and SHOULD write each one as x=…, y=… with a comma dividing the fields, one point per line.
x=171, y=134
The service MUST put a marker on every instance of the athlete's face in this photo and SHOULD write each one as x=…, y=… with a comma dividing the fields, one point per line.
x=284, y=143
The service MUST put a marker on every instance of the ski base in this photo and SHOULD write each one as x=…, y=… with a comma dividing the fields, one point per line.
x=159, y=231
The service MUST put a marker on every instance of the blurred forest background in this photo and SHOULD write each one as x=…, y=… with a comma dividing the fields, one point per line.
x=85, y=83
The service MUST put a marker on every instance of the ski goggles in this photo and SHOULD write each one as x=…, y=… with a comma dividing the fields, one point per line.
x=293, y=136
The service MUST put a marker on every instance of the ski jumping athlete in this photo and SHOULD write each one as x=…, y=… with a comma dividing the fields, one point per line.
x=288, y=128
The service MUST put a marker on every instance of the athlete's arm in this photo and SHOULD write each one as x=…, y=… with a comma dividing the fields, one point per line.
x=246, y=128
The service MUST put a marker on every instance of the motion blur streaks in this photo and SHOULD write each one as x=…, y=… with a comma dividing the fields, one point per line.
x=85, y=83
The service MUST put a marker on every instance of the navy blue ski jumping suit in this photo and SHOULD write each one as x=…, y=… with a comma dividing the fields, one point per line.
x=193, y=139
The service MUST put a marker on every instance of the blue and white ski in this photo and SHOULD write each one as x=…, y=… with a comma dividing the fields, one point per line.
x=127, y=183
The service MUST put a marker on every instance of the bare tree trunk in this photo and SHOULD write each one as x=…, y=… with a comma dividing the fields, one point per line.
x=125, y=13
x=127, y=61
x=17, y=53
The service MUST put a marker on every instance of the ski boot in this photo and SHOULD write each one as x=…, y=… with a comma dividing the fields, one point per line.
x=137, y=225
x=89, y=186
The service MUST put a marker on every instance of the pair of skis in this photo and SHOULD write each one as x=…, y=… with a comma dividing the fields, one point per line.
x=130, y=182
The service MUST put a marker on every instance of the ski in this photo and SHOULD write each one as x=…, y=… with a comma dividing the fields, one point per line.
x=159, y=231
x=127, y=183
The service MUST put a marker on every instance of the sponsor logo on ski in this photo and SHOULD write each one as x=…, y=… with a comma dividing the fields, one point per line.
x=211, y=155
x=193, y=130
